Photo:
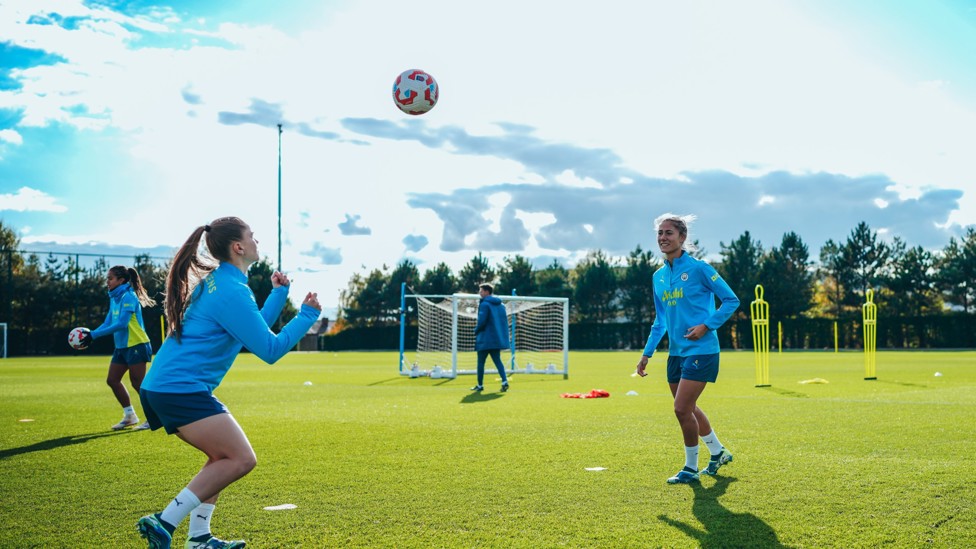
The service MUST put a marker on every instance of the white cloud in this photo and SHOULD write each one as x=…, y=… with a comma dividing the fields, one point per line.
x=570, y=179
x=27, y=199
x=670, y=89
x=497, y=203
x=11, y=136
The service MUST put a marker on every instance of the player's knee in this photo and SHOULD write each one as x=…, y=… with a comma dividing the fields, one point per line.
x=247, y=463
x=683, y=413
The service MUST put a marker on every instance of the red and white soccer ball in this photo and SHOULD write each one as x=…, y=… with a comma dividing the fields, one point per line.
x=76, y=338
x=415, y=91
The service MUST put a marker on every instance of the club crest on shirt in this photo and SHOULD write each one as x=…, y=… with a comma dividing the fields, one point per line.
x=684, y=277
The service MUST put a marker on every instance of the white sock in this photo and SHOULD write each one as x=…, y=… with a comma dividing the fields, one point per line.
x=711, y=440
x=691, y=457
x=180, y=507
x=200, y=520
x=129, y=411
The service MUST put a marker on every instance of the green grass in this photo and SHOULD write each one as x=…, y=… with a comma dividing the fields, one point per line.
x=374, y=459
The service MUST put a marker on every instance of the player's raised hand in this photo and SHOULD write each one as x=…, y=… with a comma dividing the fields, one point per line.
x=279, y=279
x=312, y=300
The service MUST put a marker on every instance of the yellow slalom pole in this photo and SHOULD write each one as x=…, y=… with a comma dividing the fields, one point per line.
x=869, y=312
x=760, y=337
x=162, y=329
x=835, y=336
x=779, y=330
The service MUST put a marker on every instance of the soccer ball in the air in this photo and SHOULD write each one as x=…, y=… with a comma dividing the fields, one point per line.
x=415, y=91
x=76, y=338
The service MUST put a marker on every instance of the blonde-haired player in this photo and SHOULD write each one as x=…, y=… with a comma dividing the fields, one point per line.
x=685, y=289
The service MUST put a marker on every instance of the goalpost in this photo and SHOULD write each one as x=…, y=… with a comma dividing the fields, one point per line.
x=538, y=334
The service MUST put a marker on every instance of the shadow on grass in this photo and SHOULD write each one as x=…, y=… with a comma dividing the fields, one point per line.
x=471, y=398
x=56, y=443
x=723, y=528
x=904, y=383
x=382, y=381
x=399, y=378
x=785, y=392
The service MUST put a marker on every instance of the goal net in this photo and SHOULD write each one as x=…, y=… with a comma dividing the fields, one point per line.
x=3, y=340
x=538, y=332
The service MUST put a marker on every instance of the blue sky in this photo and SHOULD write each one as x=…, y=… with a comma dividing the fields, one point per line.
x=562, y=127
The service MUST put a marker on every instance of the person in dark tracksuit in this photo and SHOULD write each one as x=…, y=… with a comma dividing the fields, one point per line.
x=490, y=335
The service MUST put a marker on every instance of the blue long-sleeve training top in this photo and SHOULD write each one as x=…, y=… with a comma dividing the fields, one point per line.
x=124, y=318
x=223, y=315
x=684, y=296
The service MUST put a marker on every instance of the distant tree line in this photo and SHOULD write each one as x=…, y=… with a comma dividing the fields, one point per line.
x=907, y=281
x=910, y=284
x=929, y=293
x=42, y=298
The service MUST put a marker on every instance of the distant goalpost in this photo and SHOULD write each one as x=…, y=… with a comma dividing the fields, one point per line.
x=538, y=334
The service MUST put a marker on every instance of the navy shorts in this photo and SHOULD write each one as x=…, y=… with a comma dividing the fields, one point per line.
x=694, y=367
x=137, y=354
x=174, y=410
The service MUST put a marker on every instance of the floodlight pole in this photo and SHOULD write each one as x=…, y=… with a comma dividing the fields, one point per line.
x=279, y=197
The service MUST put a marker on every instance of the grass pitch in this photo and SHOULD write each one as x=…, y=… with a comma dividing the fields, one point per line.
x=373, y=459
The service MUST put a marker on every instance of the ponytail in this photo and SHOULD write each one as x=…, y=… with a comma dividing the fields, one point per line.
x=190, y=267
x=187, y=269
x=131, y=277
x=139, y=289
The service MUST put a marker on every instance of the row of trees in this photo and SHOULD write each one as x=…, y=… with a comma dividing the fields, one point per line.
x=42, y=298
x=907, y=281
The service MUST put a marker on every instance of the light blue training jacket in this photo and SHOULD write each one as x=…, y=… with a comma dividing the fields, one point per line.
x=684, y=296
x=124, y=319
x=223, y=315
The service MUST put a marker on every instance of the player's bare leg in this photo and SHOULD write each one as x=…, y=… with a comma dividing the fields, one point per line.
x=691, y=420
x=229, y=453
x=136, y=374
x=114, y=381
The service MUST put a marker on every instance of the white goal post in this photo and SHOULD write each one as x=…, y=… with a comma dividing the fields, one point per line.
x=538, y=334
